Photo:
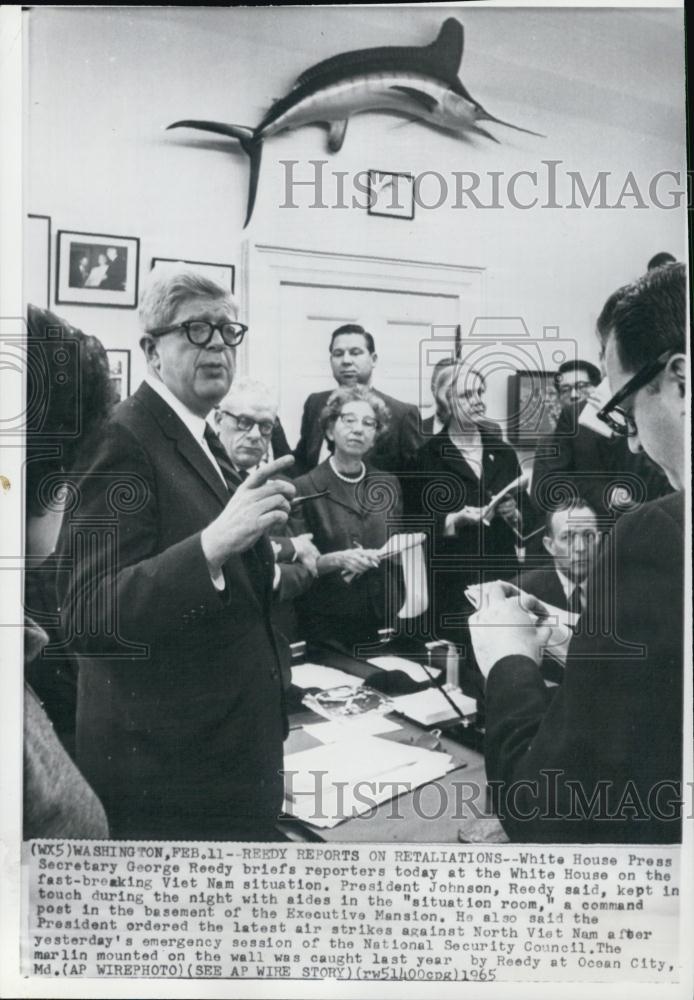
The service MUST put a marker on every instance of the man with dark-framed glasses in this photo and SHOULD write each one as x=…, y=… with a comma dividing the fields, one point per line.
x=180, y=706
x=603, y=761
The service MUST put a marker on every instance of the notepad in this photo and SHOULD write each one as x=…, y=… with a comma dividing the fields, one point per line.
x=430, y=707
x=315, y=675
x=414, y=671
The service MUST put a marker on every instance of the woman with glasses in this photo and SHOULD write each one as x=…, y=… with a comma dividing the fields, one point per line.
x=354, y=592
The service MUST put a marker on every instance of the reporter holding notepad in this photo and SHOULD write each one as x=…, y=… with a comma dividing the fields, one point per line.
x=354, y=594
x=455, y=475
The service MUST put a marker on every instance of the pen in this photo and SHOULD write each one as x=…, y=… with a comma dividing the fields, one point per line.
x=297, y=501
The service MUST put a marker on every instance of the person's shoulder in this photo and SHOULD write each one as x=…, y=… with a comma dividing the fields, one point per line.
x=312, y=481
x=392, y=403
x=315, y=399
x=661, y=514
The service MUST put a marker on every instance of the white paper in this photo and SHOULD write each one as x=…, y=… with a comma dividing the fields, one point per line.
x=413, y=670
x=315, y=675
x=341, y=767
x=341, y=730
x=589, y=414
x=430, y=707
x=414, y=573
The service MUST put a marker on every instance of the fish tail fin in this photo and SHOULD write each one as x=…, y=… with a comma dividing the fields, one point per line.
x=251, y=144
x=517, y=128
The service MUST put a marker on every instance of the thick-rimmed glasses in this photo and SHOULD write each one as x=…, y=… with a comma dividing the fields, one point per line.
x=246, y=424
x=582, y=388
x=200, y=332
x=613, y=414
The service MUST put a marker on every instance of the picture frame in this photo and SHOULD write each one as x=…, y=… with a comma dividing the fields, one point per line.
x=37, y=260
x=391, y=195
x=223, y=274
x=97, y=269
x=119, y=372
x=533, y=407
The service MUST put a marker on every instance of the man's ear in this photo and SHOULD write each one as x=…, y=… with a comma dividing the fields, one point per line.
x=374, y=357
x=548, y=544
x=150, y=349
x=676, y=371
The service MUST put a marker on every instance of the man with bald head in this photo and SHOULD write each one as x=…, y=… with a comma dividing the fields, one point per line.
x=180, y=708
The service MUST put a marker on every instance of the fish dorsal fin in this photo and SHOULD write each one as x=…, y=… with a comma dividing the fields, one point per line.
x=440, y=59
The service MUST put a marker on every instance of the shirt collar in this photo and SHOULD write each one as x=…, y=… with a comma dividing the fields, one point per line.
x=568, y=585
x=194, y=423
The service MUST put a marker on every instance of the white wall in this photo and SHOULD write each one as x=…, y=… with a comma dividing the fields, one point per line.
x=606, y=87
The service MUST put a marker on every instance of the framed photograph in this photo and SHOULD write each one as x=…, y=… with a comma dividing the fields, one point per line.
x=37, y=260
x=223, y=274
x=533, y=407
x=391, y=195
x=119, y=368
x=97, y=270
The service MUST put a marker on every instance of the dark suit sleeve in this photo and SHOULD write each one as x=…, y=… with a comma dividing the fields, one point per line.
x=302, y=461
x=553, y=457
x=565, y=764
x=410, y=438
x=139, y=591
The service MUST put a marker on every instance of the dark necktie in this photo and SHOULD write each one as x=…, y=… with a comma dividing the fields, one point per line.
x=231, y=477
x=576, y=600
x=258, y=561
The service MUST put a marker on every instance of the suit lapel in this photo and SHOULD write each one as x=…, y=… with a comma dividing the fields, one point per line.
x=259, y=560
x=186, y=445
x=322, y=479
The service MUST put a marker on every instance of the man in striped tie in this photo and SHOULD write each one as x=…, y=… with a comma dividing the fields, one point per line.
x=181, y=710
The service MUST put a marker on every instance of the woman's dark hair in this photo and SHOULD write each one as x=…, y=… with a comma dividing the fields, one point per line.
x=69, y=396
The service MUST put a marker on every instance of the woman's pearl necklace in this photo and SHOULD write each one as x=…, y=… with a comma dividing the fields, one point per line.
x=347, y=479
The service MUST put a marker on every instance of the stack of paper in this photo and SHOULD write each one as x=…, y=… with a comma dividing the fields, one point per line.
x=413, y=670
x=430, y=707
x=328, y=784
x=371, y=724
x=315, y=675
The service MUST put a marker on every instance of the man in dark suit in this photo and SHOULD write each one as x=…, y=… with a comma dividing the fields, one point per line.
x=180, y=716
x=602, y=760
x=600, y=468
x=352, y=359
x=571, y=541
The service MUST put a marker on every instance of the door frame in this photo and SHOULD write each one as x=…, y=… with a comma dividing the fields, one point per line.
x=267, y=267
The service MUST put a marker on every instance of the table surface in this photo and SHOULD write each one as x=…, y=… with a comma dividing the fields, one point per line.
x=453, y=809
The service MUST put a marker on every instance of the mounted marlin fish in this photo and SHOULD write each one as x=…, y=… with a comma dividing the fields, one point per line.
x=420, y=83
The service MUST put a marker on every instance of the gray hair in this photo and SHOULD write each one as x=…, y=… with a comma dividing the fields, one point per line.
x=167, y=286
x=352, y=394
x=258, y=391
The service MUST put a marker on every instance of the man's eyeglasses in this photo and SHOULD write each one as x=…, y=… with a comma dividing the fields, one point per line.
x=246, y=424
x=583, y=388
x=351, y=421
x=199, y=332
x=613, y=414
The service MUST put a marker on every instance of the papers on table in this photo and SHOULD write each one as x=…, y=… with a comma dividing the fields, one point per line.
x=330, y=783
x=371, y=724
x=315, y=675
x=415, y=671
x=430, y=707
